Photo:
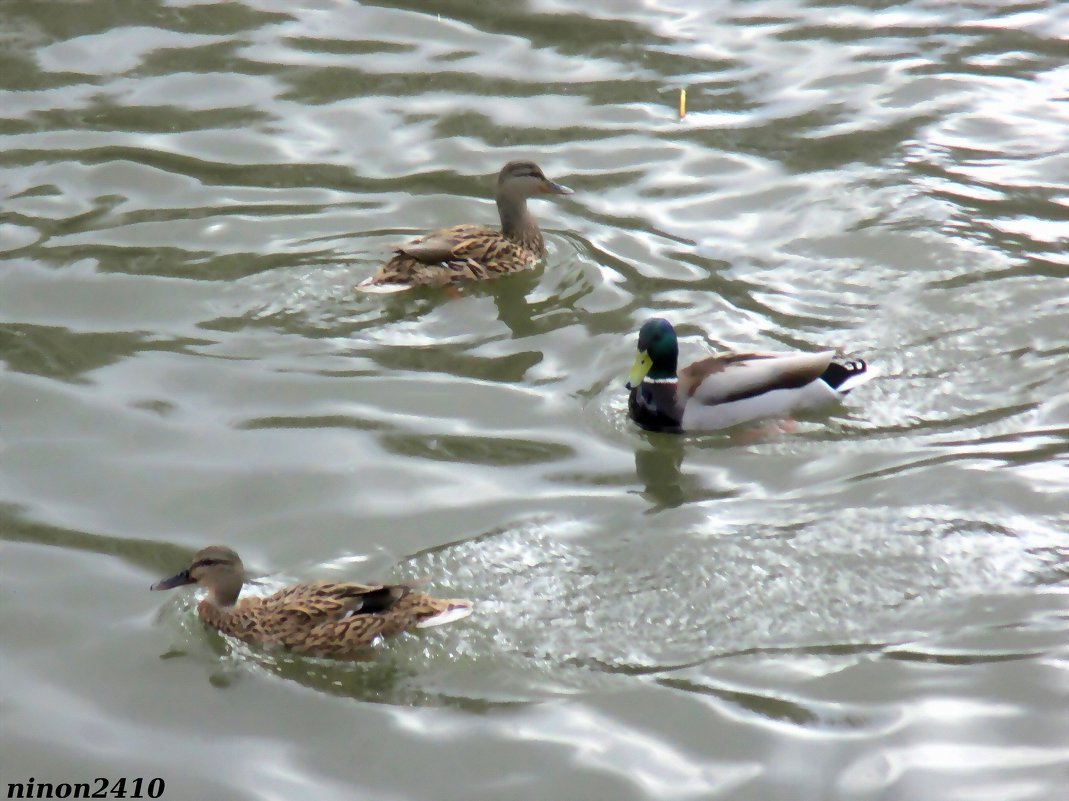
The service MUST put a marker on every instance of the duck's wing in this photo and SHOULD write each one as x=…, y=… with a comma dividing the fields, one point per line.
x=738, y=376
x=357, y=615
x=447, y=244
x=313, y=604
x=325, y=618
x=436, y=259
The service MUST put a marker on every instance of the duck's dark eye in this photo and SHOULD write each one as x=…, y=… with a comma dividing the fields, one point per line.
x=527, y=171
x=209, y=562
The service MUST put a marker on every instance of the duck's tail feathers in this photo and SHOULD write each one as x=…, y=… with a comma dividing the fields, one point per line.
x=380, y=289
x=448, y=611
x=845, y=376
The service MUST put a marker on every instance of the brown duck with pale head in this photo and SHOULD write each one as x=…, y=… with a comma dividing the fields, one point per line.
x=335, y=619
x=475, y=252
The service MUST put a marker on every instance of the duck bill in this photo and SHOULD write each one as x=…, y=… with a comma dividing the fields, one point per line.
x=177, y=580
x=551, y=188
x=642, y=365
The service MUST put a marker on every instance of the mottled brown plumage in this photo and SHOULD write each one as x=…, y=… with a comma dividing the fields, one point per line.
x=475, y=252
x=322, y=618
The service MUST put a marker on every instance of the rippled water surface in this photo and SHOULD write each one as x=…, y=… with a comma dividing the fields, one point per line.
x=872, y=606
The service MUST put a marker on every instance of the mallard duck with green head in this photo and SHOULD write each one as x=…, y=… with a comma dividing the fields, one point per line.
x=324, y=618
x=475, y=252
x=722, y=391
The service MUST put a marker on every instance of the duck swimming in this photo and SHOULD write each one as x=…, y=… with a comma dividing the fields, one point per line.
x=722, y=391
x=474, y=252
x=323, y=618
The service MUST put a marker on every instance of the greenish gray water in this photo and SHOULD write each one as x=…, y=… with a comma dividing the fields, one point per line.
x=872, y=607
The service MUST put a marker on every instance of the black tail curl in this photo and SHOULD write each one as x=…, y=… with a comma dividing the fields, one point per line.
x=837, y=373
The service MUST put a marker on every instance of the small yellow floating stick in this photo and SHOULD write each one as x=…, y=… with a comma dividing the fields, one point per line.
x=682, y=103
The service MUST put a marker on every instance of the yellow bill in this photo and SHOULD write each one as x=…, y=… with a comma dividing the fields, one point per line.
x=642, y=365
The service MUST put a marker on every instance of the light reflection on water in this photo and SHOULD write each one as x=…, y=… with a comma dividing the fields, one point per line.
x=872, y=606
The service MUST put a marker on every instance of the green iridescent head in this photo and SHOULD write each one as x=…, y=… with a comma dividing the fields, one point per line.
x=658, y=352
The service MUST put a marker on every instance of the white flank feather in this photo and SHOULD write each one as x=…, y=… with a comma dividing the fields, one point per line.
x=777, y=403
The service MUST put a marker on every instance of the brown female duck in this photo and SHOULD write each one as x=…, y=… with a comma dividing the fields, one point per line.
x=475, y=252
x=322, y=618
